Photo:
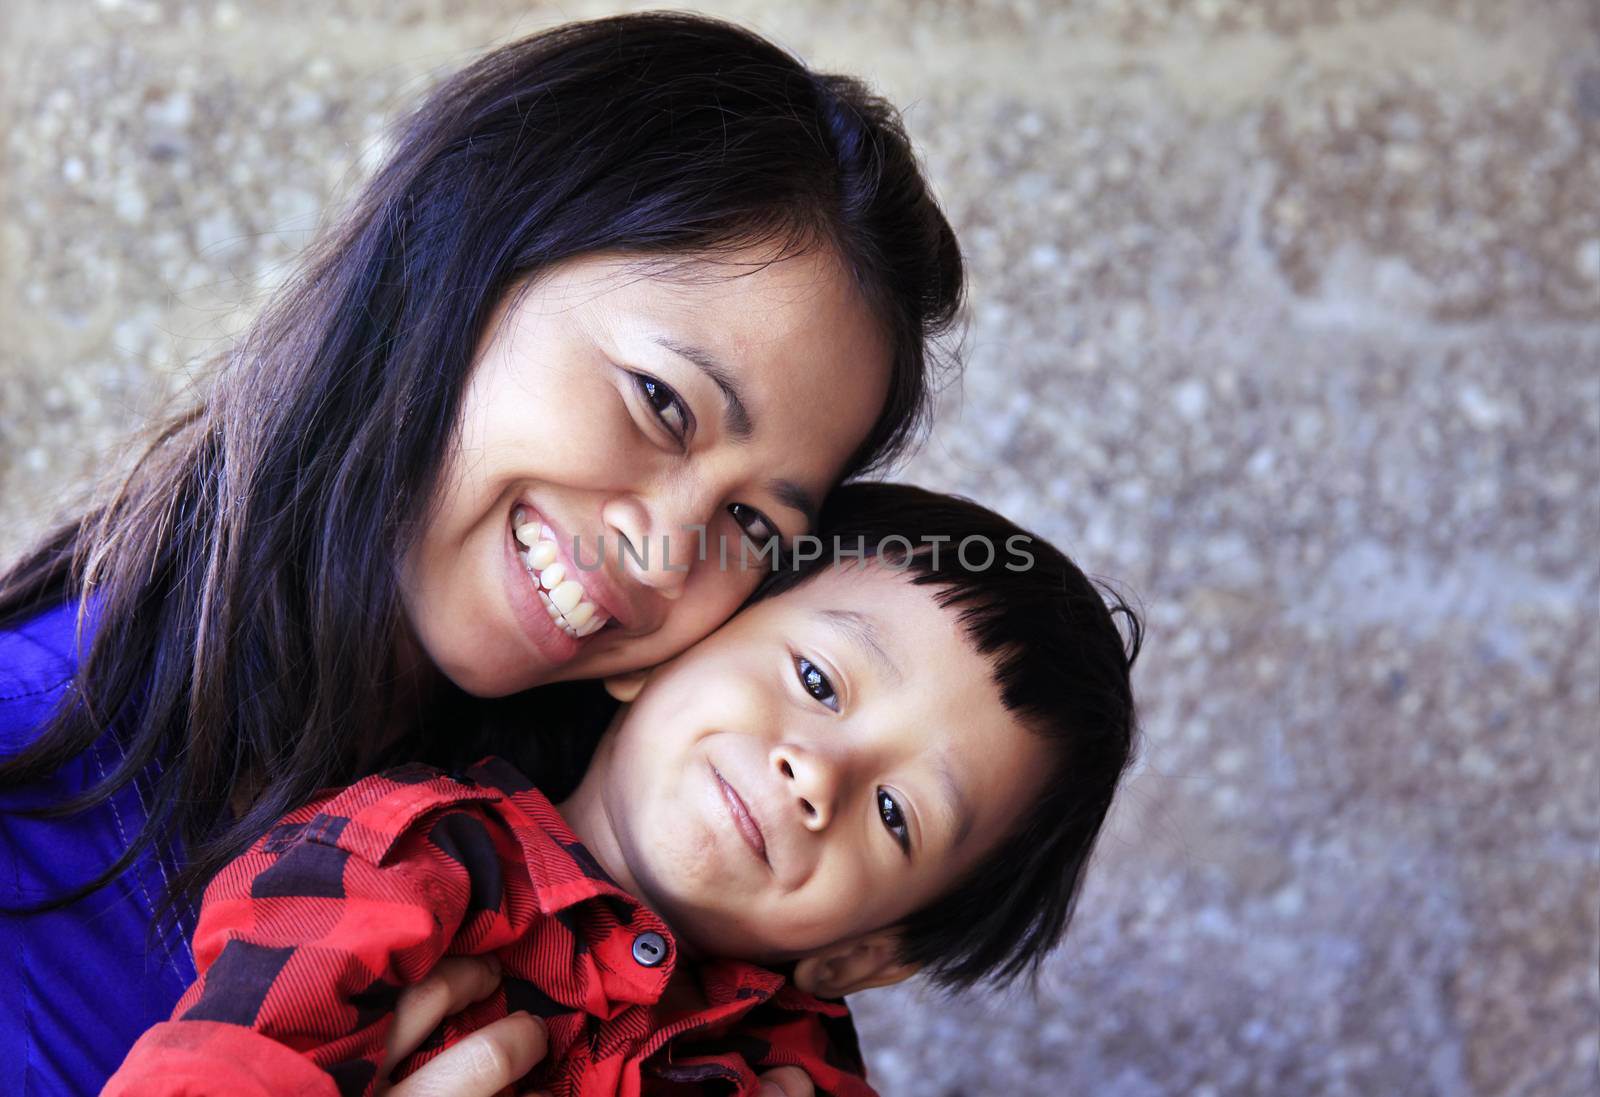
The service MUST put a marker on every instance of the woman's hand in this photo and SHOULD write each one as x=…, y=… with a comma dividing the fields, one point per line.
x=481, y=1064
x=496, y=1056
x=786, y=1082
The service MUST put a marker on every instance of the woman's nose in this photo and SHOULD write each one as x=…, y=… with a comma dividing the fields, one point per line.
x=655, y=545
x=813, y=780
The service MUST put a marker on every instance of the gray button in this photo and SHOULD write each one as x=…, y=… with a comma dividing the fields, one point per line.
x=649, y=949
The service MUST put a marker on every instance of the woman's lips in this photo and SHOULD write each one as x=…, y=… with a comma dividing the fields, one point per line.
x=562, y=589
x=749, y=829
x=522, y=588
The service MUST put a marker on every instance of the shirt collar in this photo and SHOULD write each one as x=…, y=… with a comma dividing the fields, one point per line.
x=566, y=875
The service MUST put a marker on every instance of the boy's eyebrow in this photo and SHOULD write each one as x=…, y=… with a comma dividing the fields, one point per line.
x=863, y=631
x=961, y=807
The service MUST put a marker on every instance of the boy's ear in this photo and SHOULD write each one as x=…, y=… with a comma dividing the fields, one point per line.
x=625, y=687
x=872, y=960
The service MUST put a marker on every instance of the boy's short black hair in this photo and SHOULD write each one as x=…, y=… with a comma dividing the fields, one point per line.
x=1062, y=667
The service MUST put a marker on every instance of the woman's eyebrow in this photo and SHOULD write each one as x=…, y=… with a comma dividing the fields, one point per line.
x=737, y=421
x=795, y=497
x=736, y=417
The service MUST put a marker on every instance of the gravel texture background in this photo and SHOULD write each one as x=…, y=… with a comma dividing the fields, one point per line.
x=1285, y=312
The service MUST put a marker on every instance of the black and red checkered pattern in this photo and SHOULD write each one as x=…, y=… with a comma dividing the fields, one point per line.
x=304, y=943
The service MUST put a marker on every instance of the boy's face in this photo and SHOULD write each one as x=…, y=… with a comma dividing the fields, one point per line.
x=825, y=764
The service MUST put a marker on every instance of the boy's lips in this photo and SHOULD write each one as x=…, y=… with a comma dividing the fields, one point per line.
x=743, y=819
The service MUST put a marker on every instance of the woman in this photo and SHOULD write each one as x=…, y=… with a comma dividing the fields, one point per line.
x=647, y=280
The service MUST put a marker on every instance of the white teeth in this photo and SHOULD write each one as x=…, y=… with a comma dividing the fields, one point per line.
x=562, y=598
x=567, y=595
x=543, y=554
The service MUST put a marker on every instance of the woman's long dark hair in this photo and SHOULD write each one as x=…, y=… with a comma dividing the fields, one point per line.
x=242, y=580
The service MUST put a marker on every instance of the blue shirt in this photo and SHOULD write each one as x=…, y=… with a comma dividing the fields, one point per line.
x=82, y=982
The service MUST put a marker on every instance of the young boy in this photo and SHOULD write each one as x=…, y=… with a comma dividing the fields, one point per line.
x=890, y=762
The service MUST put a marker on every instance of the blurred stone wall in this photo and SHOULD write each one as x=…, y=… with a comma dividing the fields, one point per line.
x=1285, y=312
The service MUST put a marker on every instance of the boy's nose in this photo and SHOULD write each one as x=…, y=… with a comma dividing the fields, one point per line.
x=812, y=779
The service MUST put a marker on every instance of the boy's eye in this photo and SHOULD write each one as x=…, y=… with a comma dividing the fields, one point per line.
x=667, y=405
x=816, y=683
x=756, y=526
x=894, y=819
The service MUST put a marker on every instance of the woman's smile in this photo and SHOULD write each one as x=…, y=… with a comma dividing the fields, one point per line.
x=557, y=579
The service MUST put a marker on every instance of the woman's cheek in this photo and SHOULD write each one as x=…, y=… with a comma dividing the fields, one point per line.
x=708, y=600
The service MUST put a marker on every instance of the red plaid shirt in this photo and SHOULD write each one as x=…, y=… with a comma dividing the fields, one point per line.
x=304, y=943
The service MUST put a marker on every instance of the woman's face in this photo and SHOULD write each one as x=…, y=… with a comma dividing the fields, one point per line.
x=623, y=426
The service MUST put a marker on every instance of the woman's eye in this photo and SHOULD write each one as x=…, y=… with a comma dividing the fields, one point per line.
x=894, y=819
x=667, y=405
x=816, y=683
x=757, y=526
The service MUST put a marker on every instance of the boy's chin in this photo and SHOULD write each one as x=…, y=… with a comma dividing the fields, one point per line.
x=703, y=937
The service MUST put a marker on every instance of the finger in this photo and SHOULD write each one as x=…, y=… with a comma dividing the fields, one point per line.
x=482, y=1064
x=453, y=984
x=786, y=1082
